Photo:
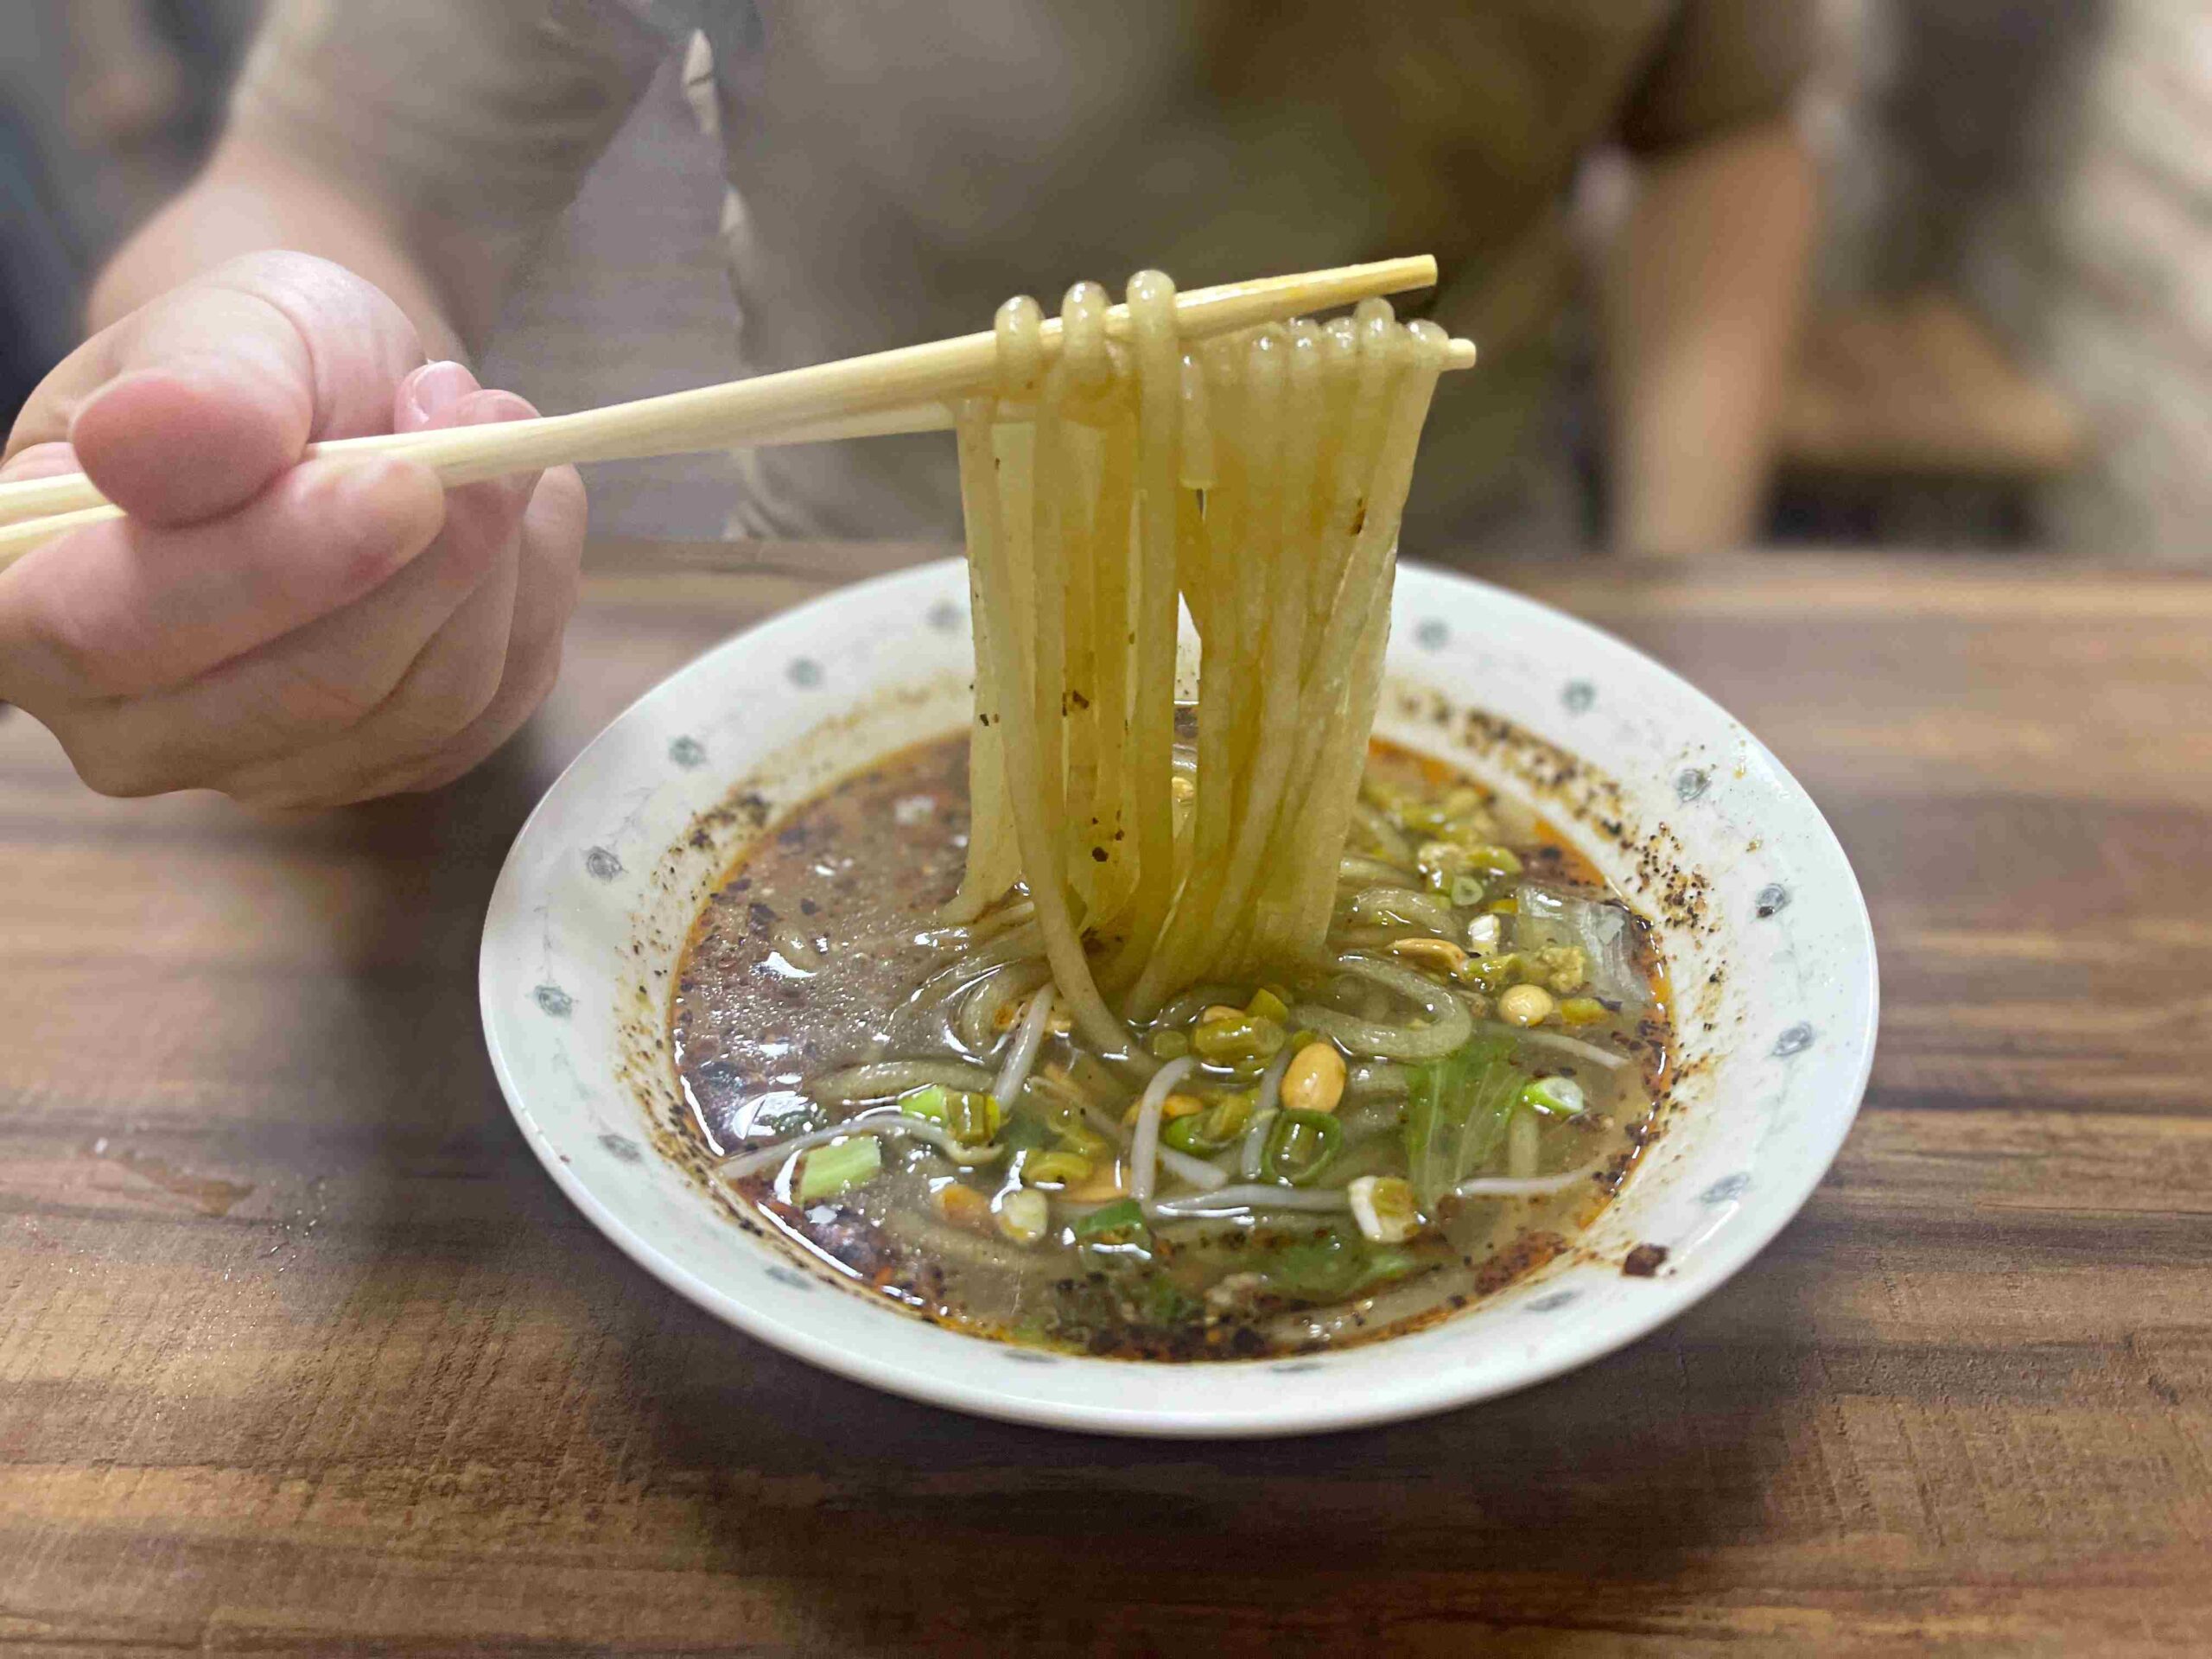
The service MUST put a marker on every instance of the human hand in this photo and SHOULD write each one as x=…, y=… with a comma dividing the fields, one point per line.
x=295, y=634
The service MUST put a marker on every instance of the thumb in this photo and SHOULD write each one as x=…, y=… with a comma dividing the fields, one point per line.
x=190, y=406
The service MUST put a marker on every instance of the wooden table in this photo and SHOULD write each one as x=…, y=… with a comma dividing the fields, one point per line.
x=299, y=1350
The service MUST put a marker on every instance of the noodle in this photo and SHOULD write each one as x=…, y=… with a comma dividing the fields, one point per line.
x=1448, y=1027
x=1257, y=479
x=1191, y=1044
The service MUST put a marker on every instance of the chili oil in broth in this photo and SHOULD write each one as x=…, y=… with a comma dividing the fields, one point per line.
x=807, y=958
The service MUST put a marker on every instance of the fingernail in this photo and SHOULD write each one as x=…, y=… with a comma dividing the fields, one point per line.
x=490, y=408
x=438, y=386
x=38, y=460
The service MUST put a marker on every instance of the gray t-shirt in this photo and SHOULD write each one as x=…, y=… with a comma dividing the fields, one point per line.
x=894, y=170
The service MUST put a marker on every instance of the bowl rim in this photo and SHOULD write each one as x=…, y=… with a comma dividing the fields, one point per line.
x=1718, y=1262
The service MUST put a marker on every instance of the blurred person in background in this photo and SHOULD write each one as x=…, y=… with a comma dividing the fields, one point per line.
x=107, y=109
x=303, y=635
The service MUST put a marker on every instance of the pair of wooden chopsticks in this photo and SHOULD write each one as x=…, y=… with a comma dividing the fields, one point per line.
x=909, y=390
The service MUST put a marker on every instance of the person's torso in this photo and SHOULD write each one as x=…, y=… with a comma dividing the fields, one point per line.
x=896, y=171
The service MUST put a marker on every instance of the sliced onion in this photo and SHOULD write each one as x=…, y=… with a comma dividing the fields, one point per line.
x=1449, y=1028
x=1144, y=1149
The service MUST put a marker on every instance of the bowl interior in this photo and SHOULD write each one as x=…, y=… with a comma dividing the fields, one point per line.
x=1761, y=923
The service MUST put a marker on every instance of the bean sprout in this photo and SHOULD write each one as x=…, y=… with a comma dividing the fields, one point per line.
x=1028, y=1037
x=1144, y=1149
x=886, y=1079
x=1533, y=1186
x=1251, y=1157
x=1566, y=1044
x=1193, y=1172
x=883, y=1120
x=1229, y=1199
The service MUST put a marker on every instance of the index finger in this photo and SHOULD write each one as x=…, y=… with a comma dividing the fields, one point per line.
x=188, y=407
x=121, y=608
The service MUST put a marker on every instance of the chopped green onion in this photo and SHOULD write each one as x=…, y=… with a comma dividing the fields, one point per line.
x=928, y=1103
x=1166, y=1302
x=1124, y=1216
x=1385, y=1208
x=1466, y=890
x=1169, y=1044
x=1246, y=1039
x=1085, y=1142
x=1064, y=1166
x=837, y=1167
x=971, y=1116
x=1075, y=1132
x=1023, y=1216
x=1386, y=1264
x=1497, y=861
x=1554, y=1096
x=1200, y=1133
x=1025, y=1132
x=1463, y=801
x=1492, y=974
x=1300, y=1145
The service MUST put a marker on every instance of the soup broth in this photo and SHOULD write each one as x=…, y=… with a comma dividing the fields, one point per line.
x=1317, y=1155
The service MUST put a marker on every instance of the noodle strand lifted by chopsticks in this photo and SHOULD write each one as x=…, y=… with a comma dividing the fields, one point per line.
x=1258, y=479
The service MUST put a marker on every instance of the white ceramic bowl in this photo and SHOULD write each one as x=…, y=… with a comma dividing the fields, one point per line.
x=1760, y=919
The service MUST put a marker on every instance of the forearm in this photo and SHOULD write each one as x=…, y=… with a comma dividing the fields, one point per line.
x=249, y=199
x=1702, y=300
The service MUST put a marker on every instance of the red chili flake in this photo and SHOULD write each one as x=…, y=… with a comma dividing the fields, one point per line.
x=1644, y=1261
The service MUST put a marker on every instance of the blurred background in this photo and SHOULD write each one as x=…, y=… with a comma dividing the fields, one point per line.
x=2009, y=345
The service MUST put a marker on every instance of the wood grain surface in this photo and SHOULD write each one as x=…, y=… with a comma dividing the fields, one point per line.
x=301, y=1351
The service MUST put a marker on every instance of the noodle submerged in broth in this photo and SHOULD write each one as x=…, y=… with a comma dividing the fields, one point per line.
x=1156, y=1030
